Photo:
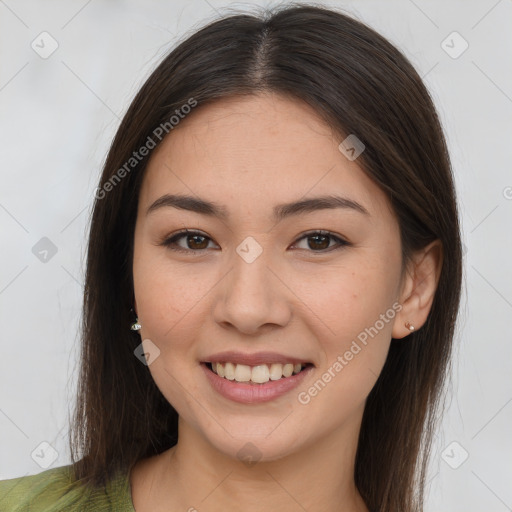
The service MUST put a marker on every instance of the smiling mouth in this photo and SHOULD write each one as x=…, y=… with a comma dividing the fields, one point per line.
x=259, y=374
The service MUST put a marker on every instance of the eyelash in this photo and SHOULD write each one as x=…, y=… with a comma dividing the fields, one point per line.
x=170, y=242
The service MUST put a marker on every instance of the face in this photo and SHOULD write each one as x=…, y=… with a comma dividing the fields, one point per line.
x=315, y=285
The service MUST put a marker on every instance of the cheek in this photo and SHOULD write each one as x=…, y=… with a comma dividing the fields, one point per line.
x=348, y=299
x=354, y=314
x=170, y=298
x=354, y=336
x=170, y=305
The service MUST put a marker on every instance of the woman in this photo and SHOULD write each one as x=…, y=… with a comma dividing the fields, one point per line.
x=273, y=280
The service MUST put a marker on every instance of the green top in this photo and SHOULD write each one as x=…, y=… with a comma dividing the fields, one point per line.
x=54, y=490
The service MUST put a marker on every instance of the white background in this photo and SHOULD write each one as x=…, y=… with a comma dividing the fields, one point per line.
x=58, y=116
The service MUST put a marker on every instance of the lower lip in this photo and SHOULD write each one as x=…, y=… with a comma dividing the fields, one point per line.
x=254, y=393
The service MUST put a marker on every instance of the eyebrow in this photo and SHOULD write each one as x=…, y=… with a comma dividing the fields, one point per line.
x=281, y=211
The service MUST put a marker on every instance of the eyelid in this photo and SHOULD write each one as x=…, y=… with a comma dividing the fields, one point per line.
x=342, y=242
x=170, y=240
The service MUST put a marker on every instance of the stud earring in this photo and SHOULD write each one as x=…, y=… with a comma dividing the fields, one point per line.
x=136, y=326
x=409, y=326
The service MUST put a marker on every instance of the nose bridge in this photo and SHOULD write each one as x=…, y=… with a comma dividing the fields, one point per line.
x=249, y=278
x=250, y=271
x=251, y=295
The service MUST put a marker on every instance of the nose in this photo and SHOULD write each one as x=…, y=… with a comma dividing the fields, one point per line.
x=252, y=297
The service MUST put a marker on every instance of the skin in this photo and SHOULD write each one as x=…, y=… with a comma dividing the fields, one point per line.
x=298, y=298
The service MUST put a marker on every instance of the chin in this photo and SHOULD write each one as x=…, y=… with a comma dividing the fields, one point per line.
x=263, y=442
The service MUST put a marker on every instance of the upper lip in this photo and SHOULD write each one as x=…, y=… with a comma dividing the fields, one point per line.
x=253, y=359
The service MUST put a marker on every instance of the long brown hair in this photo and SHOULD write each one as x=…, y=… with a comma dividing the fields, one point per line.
x=359, y=83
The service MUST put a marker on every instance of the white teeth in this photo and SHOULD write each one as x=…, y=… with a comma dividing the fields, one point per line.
x=229, y=371
x=258, y=374
x=276, y=371
x=287, y=369
x=242, y=373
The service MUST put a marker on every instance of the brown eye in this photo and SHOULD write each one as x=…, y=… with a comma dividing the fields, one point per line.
x=196, y=242
x=320, y=241
x=193, y=242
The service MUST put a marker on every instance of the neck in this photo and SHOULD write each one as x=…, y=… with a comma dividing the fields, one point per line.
x=318, y=477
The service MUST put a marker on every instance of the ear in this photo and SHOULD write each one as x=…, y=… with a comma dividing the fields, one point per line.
x=418, y=289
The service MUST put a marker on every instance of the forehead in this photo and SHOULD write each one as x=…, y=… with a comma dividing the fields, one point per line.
x=252, y=152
